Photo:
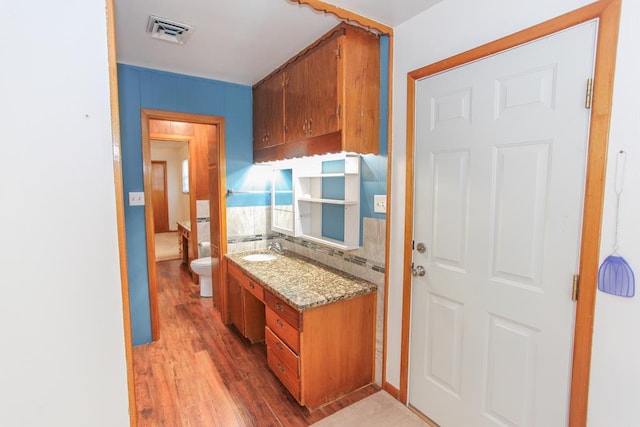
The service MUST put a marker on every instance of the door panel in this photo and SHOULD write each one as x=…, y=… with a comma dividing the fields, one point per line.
x=499, y=184
x=159, y=196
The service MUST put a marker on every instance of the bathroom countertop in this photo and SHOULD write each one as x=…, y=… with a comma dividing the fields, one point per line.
x=185, y=223
x=300, y=281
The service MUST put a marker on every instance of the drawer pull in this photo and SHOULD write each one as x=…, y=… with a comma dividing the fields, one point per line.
x=279, y=306
x=280, y=368
x=252, y=285
x=279, y=346
x=279, y=322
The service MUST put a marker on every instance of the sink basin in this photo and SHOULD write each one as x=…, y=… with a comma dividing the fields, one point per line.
x=259, y=257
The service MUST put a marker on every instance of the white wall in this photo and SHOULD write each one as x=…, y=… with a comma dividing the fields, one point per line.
x=177, y=200
x=454, y=26
x=61, y=322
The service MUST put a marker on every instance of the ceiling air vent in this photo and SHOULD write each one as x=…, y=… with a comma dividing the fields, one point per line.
x=168, y=30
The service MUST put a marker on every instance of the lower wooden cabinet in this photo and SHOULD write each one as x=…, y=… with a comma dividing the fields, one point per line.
x=325, y=352
x=319, y=354
x=246, y=310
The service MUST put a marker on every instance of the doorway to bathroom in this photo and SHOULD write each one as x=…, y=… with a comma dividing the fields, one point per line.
x=205, y=221
x=170, y=197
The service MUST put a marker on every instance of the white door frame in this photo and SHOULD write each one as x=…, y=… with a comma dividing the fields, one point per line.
x=608, y=13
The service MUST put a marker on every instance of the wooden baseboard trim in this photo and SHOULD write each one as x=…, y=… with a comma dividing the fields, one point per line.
x=391, y=390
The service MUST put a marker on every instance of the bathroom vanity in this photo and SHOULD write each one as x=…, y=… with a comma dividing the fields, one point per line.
x=318, y=323
x=184, y=236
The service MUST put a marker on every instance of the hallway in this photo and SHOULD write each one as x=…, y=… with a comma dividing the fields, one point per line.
x=201, y=373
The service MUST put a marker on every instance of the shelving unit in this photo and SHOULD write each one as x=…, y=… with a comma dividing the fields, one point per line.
x=328, y=199
x=318, y=199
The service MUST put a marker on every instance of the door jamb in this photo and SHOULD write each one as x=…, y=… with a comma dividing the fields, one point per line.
x=146, y=116
x=608, y=13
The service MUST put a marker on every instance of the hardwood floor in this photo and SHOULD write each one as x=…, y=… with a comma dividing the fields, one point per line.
x=202, y=373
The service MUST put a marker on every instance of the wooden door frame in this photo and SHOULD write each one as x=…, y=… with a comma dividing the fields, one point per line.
x=145, y=116
x=608, y=13
x=166, y=190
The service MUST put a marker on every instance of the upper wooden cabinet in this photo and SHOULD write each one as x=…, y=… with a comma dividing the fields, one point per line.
x=268, y=112
x=324, y=100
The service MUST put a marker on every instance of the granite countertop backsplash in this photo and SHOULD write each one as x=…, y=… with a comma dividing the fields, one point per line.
x=300, y=281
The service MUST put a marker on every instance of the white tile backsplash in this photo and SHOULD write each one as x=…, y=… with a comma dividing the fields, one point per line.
x=202, y=208
x=204, y=231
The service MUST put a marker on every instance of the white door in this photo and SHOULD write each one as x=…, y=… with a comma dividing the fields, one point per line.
x=499, y=183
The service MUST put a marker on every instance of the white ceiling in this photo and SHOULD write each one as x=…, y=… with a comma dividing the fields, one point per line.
x=238, y=41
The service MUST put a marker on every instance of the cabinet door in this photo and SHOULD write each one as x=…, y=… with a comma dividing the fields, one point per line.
x=235, y=302
x=274, y=117
x=268, y=112
x=295, y=94
x=322, y=91
x=311, y=93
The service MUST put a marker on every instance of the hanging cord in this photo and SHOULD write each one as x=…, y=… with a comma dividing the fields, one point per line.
x=619, y=186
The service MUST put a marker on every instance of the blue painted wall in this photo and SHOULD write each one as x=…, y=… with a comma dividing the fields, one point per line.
x=144, y=88
x=373, y=172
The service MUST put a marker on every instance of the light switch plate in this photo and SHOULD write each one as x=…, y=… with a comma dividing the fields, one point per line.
x=136, y=198
x=380, y=203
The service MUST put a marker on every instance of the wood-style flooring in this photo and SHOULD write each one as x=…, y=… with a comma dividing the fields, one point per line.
x=202, y=373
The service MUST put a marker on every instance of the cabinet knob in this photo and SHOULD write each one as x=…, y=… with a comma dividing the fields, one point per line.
x=279, y=306
x=252, y=285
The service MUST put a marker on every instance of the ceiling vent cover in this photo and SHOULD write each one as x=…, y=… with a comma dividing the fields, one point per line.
x=168, y=30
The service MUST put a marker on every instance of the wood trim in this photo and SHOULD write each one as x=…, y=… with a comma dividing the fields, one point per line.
x=150, y=229
x=347, y=15
x=119, y=195
x=385, y=330
x=389, y=388
x=593, y=206
x=408, y=237
x=608, y=13
x=322, y=144
x=146, y=116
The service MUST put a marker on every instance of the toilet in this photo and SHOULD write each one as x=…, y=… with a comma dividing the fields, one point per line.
x=202, y=267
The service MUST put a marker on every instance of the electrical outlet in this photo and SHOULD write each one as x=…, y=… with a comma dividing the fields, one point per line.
x=136, y=198
x=380, y=203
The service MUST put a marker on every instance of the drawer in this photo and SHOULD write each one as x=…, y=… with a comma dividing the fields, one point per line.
x=283, y=329
x=290, y=381
x=284, y=353
x=284, y=310
x=256, y=289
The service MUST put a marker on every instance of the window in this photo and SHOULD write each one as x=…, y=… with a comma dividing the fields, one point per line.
x=185, y=176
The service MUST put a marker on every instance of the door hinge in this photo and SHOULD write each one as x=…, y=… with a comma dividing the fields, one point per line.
x=339, y=52
x=338, y=110
x=589, y=97
x=413, y=244
x=575, y=287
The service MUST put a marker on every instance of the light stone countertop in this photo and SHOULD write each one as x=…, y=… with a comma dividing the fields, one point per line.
x=300, y=281
x=185, y=223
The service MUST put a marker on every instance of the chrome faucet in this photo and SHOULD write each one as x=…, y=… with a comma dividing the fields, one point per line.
x=275, y=246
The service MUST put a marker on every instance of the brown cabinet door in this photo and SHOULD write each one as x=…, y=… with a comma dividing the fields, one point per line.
x=322, y=90
x=295, y=94
x=261, y=115
x=235, y=303
x=311, y=93
x=268, y=116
